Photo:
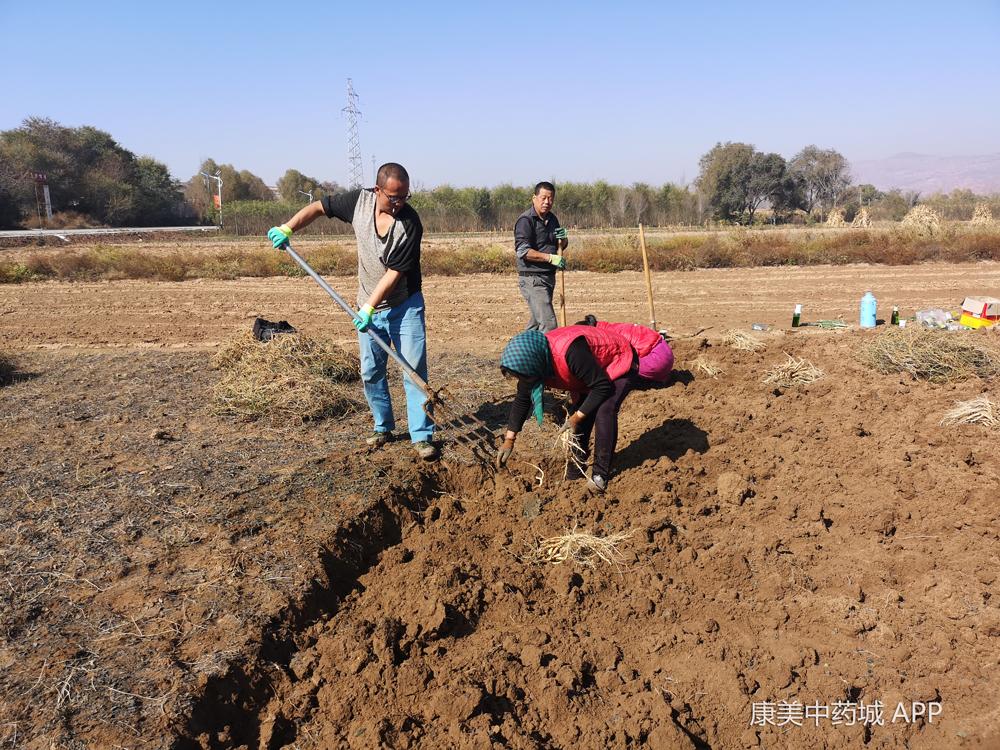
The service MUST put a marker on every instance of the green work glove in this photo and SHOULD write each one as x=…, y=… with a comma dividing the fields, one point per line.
x=561, y=234
x=557, y=260
x=364, y=318
x=279, y=236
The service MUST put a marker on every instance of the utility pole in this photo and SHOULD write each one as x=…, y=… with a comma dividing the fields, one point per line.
x=218, y=198
x=374, y=171
x=353, y=141
x=42, y=196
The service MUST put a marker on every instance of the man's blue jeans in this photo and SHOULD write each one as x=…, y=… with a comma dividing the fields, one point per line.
x=403, y=325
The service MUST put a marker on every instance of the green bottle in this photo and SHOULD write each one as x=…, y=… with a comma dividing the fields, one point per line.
x=796, y=316
x=895, y=316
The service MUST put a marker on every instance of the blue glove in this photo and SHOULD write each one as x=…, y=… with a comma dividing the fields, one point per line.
x=279, y=236
x=364, y=318
x=557, y=260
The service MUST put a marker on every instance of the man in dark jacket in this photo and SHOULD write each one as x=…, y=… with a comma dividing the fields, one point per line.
x=538, y=241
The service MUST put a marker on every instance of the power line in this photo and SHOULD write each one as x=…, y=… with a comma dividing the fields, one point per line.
x=353, y=141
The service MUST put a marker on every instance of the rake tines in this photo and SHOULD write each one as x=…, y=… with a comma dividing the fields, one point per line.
x=468, y=431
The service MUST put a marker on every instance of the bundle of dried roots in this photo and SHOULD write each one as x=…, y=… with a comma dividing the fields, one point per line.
x=793, y=371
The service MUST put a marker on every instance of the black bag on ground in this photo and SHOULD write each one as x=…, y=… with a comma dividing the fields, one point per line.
x=265, y=330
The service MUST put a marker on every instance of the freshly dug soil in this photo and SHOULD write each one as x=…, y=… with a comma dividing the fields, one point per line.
x=172, y=579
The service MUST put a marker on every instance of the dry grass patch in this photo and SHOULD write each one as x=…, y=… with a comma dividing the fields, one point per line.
x=793, y=371
x=707, y=367
x=937, y=356
x=580, y=547
x=289, y=377
x=736, y=339
x=979, y=410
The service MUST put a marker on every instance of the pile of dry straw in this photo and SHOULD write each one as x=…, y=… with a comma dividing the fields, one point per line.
x=289, y=377
x=937, y=356
x=922, y=220
x=982, y=215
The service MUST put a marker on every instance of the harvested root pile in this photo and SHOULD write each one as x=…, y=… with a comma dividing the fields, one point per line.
x=862, y=219
x=289, y=377
x=982, y=215
x=707, y=367
x=937, y=356
x=580, y=547
x=741, y=340
x=6, y=369
x=793, y=371
x=922, y=220
x=836, y=219
x=979, y=410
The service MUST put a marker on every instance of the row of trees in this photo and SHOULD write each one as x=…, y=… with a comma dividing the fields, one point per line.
x=92, y=175
x=88, y=173
x=736, y=180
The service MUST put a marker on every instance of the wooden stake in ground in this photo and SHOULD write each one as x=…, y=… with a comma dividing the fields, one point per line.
x=649, y=282
x=562, y=289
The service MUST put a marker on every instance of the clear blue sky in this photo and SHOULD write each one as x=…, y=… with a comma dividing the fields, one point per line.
x=486, y=93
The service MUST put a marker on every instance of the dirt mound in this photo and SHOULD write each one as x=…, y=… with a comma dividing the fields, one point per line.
x=737, y=585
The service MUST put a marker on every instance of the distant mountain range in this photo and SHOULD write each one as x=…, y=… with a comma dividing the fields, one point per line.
x=930, y=174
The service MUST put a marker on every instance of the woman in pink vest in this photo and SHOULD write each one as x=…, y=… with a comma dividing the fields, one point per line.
x=656, y=358
x=598, y=367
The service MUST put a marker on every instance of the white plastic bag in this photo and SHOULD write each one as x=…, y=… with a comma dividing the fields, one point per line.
x=934, y=318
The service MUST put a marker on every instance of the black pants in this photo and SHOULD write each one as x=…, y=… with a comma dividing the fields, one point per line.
x=604, y=423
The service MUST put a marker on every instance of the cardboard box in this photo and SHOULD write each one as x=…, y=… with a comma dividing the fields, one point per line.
x=982, y=307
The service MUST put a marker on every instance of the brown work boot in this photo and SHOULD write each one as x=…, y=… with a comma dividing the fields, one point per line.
x=378, y=439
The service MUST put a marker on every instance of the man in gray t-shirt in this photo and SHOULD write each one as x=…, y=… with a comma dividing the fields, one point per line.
x=390, y=302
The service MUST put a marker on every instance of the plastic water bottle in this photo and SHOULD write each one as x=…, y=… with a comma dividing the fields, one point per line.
x=868, y=309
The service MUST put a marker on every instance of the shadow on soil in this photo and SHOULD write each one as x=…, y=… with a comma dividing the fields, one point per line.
x=673, y=439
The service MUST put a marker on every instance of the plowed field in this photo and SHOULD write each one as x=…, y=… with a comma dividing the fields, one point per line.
x=170, y=578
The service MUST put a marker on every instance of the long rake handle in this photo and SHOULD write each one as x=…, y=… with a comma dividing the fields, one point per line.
x=419, y=381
